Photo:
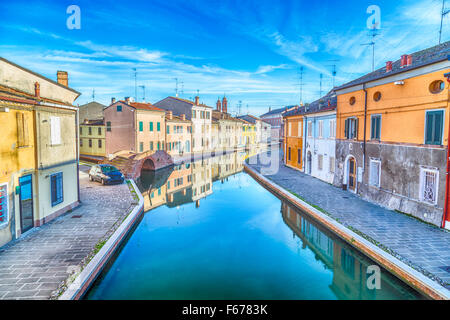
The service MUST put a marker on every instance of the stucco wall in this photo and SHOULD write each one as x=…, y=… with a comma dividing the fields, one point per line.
x=400, y=176
x=123, y=130
x=147, y=136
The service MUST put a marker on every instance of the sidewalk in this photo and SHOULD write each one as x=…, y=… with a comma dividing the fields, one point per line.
x=34, y=266
x=424, y=247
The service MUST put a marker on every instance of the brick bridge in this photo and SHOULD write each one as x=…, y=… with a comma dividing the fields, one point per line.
x=131, y=164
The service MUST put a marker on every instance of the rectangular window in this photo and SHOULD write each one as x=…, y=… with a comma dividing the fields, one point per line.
x=99, y=143
x=141, y=147
x=332, y=168
x=299, y=156
x=374, y=173
x=119, y=108
x=158, y=126
x=300, y=129
x=22, y=130
x=375, y=132
x=320, y=162
x=55, y=131
x=429, y=180
x=56, y=188
x=151, y=126
x=332, y=129
x=3, y=203
x=194, y=114
x=90, y=143
x=289, y=154
x=310, y=129
x=151, y=145
x=290, y=129
x=320, y=128
x=168, y=129
x=108, y=126
x=99, y=131
x=81, y=131
x=434, y=127
x=90, y=131
x=81, y=142
x=141, y=126
x=351, y=128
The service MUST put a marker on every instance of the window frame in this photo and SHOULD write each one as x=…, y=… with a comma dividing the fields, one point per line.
x=378, y=162
x=423, y=171
x=56, y=201
x=442, y=129
x=372, y=117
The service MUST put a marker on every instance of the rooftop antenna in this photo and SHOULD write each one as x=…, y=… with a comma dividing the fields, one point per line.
x=143, y=88
x=247, y=110
x=176, y=87
x=182, y=88
x=321, y=78
x=239, y=107
x=373, y=34
x=300, y=74
x=444, y=12
x=93, y=94
x=135, y=83
x=334, y=70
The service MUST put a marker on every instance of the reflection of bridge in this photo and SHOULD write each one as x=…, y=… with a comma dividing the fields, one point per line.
x=132, y=164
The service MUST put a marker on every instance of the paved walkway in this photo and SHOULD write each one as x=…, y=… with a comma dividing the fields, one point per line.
x=425, y=248
x=34, y=266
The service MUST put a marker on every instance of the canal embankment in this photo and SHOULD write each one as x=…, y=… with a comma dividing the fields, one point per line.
x=49, y=259
x=415, y=252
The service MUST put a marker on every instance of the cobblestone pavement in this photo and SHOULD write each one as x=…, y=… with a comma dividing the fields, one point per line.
x=422, y=246
x=34, y=266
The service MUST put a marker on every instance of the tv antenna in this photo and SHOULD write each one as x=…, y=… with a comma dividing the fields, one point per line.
x=444, y=12
x=239, y=107
x=143, y=89
x=135, y=83
x=334, y=69
x=300, y=78
x=176, y=87
x=373, y=34
x=321, y=78
x=182, y=88
x=93, y=94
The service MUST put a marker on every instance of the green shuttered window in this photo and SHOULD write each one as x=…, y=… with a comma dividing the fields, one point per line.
x=434, y=127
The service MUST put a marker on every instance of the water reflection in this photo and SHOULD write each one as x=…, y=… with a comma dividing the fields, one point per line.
x=350, y=276
x=189, y=182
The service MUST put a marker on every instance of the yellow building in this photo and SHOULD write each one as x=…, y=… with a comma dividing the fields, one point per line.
x=92, y=138
x=392, y=134
x=38, y=153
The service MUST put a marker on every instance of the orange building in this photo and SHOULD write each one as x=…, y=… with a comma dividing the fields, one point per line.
x=293, y=138
x=392, y=134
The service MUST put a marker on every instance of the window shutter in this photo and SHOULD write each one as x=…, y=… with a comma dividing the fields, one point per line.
x=372, y=131
x=429, y=129
x=55, y=130
x=346, y=128
x=20, y=131
x=355, y=133
x=378, y=131
x=438, y=123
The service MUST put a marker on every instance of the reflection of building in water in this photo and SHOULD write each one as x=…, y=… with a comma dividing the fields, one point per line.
x=349, y=267
x=226, y=165
x=179, y=181
x=201, y=180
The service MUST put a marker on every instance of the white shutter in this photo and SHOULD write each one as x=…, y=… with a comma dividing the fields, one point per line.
x=55, y=130
x=374, y=174
x=300, y=129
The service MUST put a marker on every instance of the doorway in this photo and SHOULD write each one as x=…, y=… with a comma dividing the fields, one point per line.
x=26, y=203
x=352, y=174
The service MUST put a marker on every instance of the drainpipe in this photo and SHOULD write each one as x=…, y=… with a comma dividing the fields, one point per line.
x=446, y=215
x=365, y=127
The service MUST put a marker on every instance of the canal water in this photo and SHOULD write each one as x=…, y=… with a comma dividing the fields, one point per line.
x=212, y=232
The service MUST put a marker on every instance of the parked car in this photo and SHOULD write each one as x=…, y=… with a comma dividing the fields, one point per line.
x=106, y=174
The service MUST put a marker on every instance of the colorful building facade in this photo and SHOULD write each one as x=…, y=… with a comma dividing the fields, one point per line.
x=392, y=135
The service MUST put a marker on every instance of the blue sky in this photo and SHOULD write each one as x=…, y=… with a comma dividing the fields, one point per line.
x=249, y=50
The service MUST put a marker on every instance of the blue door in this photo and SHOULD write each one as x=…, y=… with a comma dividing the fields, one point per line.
x=26, y=203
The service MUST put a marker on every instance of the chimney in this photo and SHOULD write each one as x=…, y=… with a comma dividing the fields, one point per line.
x=63, y=78
x=218, y=105
x=127, y=100
x=170, y=115
x=409, y=60
x=113, y=100
x=389, y=66
x=37, y=90
x=197, y=98
x=404, y=61
x=224, y=105
x=183, y=117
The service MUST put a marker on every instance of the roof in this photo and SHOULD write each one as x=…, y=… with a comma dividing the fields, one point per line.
x=98, y=122
x=274, y=112
x=326, y=103
x=143, y=106
x=249, y=118
x=419, y=59
x=92, y=104
x=39, y=75
x=178, y=106
x=218, y=115
x=14, y=95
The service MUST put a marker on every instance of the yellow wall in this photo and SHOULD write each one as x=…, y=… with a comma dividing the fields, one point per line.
x=95, y=137
x=147, y=136
x=402, y=109
x=293, y=141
